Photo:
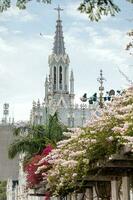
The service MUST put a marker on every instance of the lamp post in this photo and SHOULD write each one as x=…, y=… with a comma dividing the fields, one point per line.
x=94, y=98
x=102, y=98
x=101, y=88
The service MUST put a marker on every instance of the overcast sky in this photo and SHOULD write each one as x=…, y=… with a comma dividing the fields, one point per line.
x=91, y=47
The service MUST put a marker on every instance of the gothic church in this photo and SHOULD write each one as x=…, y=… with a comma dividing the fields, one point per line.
x=59, y=88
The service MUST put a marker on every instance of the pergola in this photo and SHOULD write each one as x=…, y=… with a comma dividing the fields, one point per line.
x=110, y=180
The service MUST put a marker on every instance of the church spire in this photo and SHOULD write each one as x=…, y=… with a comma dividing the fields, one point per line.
x=59, y=48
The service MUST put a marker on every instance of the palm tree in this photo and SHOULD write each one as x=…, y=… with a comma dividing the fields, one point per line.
x=31, y=140
x=55, y=129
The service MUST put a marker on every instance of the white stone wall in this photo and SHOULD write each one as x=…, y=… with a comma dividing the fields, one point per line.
x=79, y=113
x=9, y=191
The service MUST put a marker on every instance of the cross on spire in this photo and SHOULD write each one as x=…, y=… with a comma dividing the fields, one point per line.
x=58, y=9
x=59, y=48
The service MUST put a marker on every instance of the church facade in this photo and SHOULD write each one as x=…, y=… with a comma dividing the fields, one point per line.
x=59, y=88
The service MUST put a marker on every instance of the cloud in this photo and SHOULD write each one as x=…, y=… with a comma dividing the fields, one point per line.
x=49, y=37
x=23, y=66
x=106, y=43
x=5, y=47
x=15, y=13
x=3, y=30
x=91, y=49
x=72, y=10
x=16, y=32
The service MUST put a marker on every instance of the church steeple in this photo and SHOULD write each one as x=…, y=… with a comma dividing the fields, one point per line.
x=59, y=61
x=59, y=47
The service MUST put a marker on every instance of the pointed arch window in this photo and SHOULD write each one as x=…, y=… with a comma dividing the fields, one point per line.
x=60, y=77
x=54, y=77
x=61, y=103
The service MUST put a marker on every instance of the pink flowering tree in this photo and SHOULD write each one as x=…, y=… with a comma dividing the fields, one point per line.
x=104, y=135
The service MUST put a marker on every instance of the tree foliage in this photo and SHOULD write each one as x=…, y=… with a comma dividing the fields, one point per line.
x=94, y=9
x=55, y=128
x=31, y=140
x=3, y=190
x=129, y=46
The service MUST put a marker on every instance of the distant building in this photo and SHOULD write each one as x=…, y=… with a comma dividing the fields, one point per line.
x=8, y=167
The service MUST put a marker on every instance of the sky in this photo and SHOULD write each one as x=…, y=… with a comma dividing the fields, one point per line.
x=91, y=46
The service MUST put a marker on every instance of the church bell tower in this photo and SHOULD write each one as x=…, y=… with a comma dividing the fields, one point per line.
x=58, y=91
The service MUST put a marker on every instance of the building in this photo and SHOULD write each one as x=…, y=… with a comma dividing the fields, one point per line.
x=59, y=88
x=8, y=167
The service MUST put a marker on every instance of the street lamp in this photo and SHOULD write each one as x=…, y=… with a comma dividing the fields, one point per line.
x=101, y=88
x=101, y=99
x=94, y=98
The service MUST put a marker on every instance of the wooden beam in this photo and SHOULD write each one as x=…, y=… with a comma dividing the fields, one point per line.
x=97, y=178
